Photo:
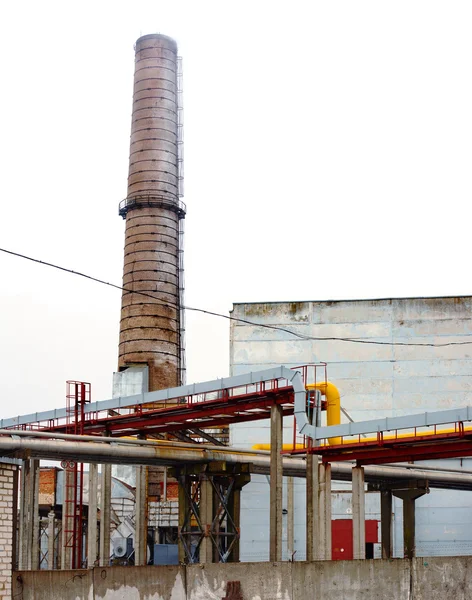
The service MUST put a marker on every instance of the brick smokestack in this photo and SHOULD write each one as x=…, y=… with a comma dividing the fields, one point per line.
x=151, y=325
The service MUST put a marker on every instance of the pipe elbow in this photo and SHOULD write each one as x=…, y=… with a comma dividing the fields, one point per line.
x=333, y=405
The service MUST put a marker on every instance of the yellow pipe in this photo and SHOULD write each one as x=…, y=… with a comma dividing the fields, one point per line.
x=369, y=439
x=333, y=405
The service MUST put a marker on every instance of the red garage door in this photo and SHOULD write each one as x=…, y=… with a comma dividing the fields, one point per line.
x=341, y=532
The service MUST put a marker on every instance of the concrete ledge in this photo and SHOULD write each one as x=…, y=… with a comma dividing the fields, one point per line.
x=257, y=581
x=53, y=585
x=446, y=577
x=136, y=583
x=353, y=579
x=420, y=579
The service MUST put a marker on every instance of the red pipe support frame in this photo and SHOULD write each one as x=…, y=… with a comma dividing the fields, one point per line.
x=225, y=410
x=435, y=446
x=251, y=403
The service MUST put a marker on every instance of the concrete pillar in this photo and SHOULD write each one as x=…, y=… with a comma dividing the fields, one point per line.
x=105, y=508
x=51, y=536
x=36, y=521
x=92, y=549
x=386, y=522
x=140, y=536
x=409, y=497
x=68, y=510
x=29, y=515
x=409, y=525
x=358, y=512
x=276, y=481
x=323, y=549
x=312, y=505
x=290, y=519
x=206, y=519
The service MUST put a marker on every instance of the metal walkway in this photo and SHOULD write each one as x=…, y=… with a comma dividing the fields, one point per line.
x=206, y=405
x=249, y=397
x=427, y=438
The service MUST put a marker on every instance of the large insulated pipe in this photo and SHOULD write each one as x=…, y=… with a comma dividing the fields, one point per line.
x=150, y=328
x=292, y=467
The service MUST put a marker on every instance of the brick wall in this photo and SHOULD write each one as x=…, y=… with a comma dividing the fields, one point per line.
x=8, y=482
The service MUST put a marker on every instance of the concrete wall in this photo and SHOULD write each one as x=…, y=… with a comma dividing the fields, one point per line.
x=420, y=579
x=52, y=585
x=384, y=379
x=374, y=381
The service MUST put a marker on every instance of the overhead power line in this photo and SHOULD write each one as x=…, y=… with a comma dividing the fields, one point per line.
x=230, y=318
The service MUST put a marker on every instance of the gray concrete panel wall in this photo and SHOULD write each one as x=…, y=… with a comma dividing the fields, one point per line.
x=353, y=580
x=374, y=381
x=419, y=579
x=259, y=581
x=434, y=576
x=139, y=583
x=53, y=585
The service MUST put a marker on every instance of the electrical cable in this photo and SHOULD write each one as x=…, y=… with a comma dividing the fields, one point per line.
x=228, y=317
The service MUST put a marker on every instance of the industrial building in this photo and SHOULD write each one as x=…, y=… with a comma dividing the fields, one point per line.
x=185, y=481
x=375, y=380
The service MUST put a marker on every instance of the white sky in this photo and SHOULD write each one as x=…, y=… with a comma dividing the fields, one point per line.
x=327, y=155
